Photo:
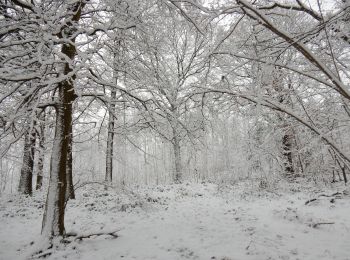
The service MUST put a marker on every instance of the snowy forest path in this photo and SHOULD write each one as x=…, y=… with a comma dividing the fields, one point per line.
x=187, y=222
x=202, y=223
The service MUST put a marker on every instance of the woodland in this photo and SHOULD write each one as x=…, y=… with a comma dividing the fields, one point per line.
x=163, y=117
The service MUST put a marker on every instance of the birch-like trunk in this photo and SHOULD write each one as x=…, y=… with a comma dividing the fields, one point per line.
x=110, y=139
x=25, y=182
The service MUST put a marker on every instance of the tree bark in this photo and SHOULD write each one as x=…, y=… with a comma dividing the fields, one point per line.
x=342, y=167
x=288, y=138
x=110, y=139
x=287, y=142
x=25, y=182
x=177, y=158
x=41, y=154
x=53, y=221
x=70, y=194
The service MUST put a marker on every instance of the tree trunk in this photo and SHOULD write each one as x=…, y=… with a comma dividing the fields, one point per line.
x=110, y=139
x=177, y=159
x=288, y=138
x=70, y=194
x=53, y=220
x=41, y=153
x=287, y=142
x=25, y=182
x=342, y=167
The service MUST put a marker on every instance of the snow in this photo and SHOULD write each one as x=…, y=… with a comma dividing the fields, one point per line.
x=188, y=221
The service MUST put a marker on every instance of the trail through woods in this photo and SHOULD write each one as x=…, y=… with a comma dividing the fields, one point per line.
x=193, y=221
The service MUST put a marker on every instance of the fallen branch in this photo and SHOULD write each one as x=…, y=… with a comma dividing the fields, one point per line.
x=332, y=195
x=307, y=202
x=42, y=254
x=322, y=223
x=336, y=195
x=81, y=237
x=48, y=251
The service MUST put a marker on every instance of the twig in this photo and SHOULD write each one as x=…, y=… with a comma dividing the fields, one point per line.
x=247, y=247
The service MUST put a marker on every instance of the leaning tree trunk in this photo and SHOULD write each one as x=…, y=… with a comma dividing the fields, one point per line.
x=25, y=182
x=110, y=139
x=343, y=168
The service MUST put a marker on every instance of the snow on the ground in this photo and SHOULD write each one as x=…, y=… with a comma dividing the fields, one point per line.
x=188, y=221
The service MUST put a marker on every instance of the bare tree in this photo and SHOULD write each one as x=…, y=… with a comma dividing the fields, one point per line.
x=53, y=221
x=168, y=67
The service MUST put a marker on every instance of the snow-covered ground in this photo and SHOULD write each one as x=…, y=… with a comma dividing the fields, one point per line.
x=188, y=221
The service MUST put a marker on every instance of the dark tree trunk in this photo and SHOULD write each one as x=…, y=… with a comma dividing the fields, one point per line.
x=53, y=220
x=288, y=138
x=287, y=142
x=41, y=153
x=344, y=175
x=25, y=182
x=70, y=194
x=343, y=169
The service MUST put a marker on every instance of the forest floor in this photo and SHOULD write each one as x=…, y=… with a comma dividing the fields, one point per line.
x=189, y=221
